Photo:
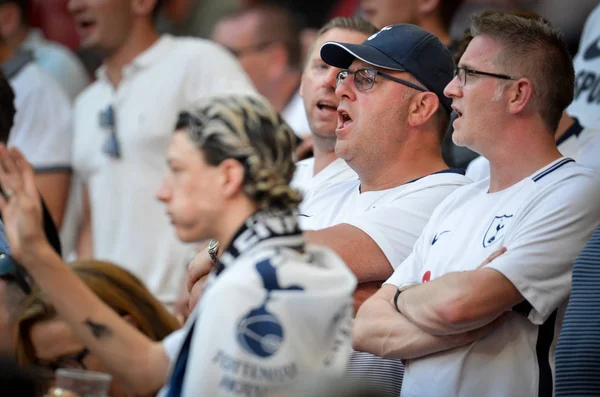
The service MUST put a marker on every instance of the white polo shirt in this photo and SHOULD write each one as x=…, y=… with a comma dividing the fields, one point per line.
x=129, y=225
x=42, y=127
x=572, y=144
x=543, y=221
x=586, y=103
x=393, y=218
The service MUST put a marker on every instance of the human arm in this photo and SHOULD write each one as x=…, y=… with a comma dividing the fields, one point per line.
x=131, y=357
x=360, y=252
x=459, y=301
x=84, y=239
x=543, y=240
x=381, y=330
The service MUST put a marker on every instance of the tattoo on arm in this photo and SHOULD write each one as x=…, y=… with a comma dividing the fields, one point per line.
x=99, y=330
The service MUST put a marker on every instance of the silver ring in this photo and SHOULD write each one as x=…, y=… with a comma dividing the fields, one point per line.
x=213, y=249
x=8, y=193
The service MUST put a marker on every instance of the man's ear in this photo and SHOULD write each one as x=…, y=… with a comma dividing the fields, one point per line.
x=143, y=7
x=519, y=95
x=422, y=107
x=231, y=177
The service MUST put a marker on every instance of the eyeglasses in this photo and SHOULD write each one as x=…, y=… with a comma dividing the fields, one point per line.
x=462, y=72
x=73, y=361
x=107, y=120
x=238, y=53
x=11, y=270
x=364, y=79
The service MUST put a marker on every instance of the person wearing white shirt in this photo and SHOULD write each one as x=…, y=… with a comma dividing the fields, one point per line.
x=123, y=124
x=391, y=119
x=42, y=126
x=586, y=102
x=57, y=60
x=476, y=308
x=320, y=105
x=275, y=313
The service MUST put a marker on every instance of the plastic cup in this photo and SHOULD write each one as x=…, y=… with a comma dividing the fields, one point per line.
x=83, y=383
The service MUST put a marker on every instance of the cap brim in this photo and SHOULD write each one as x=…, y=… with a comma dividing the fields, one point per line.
x=341, y=55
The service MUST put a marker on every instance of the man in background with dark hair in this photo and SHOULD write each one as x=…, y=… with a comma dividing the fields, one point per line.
x=57, y=60
x=266, y=41
x=123, y=125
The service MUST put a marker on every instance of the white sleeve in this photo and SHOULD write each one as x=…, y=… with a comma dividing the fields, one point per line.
x=173, y=342
x=395, y=227
x=43, y=123
x=543, y=243
x=247, y=339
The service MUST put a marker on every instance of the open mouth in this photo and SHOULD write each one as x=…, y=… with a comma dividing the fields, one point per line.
x=343, y=119
x=326, y=106
x=85, y=24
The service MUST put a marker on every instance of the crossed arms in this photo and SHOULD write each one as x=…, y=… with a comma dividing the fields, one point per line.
x=450, y=311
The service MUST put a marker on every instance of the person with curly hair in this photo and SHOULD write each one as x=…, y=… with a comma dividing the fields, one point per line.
x=274, y=312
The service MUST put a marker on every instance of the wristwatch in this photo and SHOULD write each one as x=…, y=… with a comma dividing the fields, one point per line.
x=213, y=249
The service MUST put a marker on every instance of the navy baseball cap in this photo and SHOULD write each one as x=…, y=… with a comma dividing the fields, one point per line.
x=401, y=47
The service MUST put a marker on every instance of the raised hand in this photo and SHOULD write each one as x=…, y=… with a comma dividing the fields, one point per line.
x=20, y=205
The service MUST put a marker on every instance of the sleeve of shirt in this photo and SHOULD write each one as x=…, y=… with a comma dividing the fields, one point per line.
x=545, y=240
x=247, y=338
x=395, y=227
x=43, y=126
x=173, y=342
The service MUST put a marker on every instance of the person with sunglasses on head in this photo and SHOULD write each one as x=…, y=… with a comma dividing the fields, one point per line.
x=476, y=308
x=123, y=123
x=275, y=311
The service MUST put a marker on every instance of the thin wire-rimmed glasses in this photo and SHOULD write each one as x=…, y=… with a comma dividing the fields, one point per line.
x=364, y=79
x=461, y=73
x=108, y=120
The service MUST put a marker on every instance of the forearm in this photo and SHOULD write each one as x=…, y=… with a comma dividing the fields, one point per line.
x=130, y=356
x=381, y=330
x=458, y=302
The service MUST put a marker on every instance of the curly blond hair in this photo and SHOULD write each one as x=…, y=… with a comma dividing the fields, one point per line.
x=248, y=129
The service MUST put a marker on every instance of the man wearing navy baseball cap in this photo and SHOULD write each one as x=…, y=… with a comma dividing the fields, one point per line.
x=392, y=116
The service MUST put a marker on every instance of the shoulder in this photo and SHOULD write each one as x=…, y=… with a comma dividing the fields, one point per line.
x=37, y=84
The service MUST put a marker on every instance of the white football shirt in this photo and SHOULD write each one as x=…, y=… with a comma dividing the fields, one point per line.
x=586, y=103
x=393, y=218
x=543, y=221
